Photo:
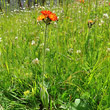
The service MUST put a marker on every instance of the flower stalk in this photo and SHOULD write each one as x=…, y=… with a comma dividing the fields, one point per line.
x=45, y=36
x=46, y=17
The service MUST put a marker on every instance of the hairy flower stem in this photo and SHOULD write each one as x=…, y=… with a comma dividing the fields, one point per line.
x=44, y=54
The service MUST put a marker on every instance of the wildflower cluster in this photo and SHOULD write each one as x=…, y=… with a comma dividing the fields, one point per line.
x=47, y=17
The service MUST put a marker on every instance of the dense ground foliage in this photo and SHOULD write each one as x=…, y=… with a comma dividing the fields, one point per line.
x=77, y=61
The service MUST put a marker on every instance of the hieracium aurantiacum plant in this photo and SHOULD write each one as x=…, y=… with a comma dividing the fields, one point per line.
x=47, y=17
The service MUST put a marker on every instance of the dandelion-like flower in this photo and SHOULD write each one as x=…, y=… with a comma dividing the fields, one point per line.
x=47, y=17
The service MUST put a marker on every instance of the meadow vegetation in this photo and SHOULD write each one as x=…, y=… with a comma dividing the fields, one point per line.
x=77, y=60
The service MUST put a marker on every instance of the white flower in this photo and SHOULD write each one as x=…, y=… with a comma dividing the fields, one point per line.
x=16, y=38
x=102, y=21
x=55, y=23
x=107, y=1
x=41, y=44
x=23, y=8
x=105, y=15
x=0, y=39
x=54, y=11
x=33, y=42
x=35, y=61
x=108, y=49
x=47, y=49
x=79, y=11
x=43, y=7
x=78, y=51
x=7, y=4
x=32, y=7
x=15, y=10
x=24, y=21
x=70, y=50
x=62, y=11
x=100, y=24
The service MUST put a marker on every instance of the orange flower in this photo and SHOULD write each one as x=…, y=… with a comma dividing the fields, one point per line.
x=41, y=17
x=47, y=16
x=90, y=23
x=81, y=1
x=53, y=17
x=46, y=12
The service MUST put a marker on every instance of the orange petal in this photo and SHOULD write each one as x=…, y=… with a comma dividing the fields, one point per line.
x=90, y=21
x=41, y=17
x=46, y=12
x=53, y=17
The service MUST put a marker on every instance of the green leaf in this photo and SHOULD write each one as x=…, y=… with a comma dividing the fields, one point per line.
x=44, y=96
x=63, y=107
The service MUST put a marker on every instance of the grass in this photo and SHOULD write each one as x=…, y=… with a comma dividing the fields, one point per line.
x=76, y=63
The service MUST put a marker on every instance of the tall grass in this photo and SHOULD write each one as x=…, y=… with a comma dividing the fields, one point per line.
x=77, y=58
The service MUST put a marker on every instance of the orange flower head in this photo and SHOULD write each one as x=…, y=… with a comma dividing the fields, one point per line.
x=90, y=21
x=81, y=1
x=42, y=17
x=47, y=17
x=46, y=12
x=53, y=17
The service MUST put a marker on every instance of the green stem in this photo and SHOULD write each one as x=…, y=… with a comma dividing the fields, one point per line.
x=44, y=53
